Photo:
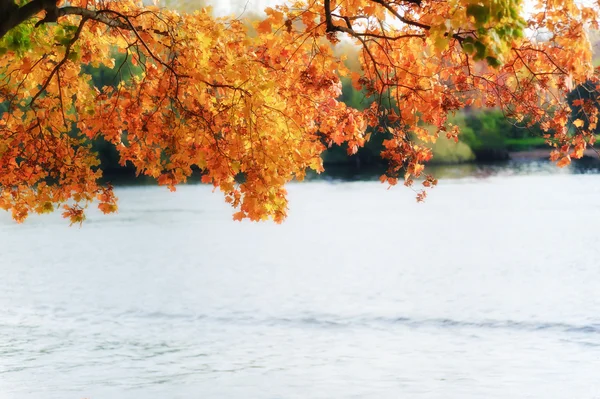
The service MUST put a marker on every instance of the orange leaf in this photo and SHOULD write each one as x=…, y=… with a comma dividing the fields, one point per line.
x=564, y=161
x=264, y=27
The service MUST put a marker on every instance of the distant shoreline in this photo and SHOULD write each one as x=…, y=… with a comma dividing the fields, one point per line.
x=352, y=170
x=544, y=153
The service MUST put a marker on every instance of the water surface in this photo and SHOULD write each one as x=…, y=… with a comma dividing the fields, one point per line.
x=488, y=290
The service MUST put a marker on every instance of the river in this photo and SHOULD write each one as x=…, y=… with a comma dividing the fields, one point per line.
x=490, y=289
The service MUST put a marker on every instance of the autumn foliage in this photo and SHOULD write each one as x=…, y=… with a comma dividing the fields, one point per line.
x=254, y=110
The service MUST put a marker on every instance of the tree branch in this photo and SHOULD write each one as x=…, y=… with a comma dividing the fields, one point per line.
x=331, y=27
x=62, y=61
x=13, y=15
x=391, y=9
x=100, y=16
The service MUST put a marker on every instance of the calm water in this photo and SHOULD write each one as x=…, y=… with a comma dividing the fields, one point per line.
x=489, y=290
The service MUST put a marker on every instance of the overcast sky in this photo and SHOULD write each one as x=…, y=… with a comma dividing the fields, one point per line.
x=236, y=7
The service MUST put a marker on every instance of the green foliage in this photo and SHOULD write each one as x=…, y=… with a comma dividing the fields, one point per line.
x=480, y=12
x=64, y=33
x=484, y=130
x=354, y=98
x=525, y=143
x=104, y=75
x=497, y=23
x=17, y=39
x=491, y=135
x=446, y=151
x=485, y=135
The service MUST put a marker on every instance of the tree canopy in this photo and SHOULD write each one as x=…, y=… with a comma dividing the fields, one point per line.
x=254, y=107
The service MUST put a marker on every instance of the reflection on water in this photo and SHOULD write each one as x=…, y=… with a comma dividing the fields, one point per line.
x=519, y=167
x=488, y=290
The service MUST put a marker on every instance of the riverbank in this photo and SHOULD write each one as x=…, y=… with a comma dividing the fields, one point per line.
x=543, y=153
x=535, y=161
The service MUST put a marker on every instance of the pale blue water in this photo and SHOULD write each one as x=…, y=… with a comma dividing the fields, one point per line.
x=491, y=289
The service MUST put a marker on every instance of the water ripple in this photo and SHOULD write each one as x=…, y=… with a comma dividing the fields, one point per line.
x=330, y=321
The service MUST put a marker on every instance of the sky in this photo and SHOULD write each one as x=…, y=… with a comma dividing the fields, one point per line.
x=236, y=7
x=223, y=8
